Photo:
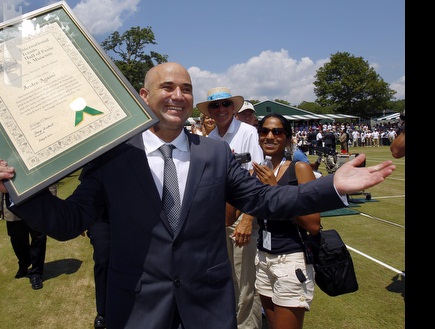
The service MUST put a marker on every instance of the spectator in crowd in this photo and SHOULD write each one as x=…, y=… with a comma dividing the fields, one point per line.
x=363, y=138
x=208, y=124
x=319, y=138
x=355, y=137
x=242, y=137
x=284, y=298
x=197, y=127
x=298, y=155
x=347, y=139
x=369, y=138
x=28, y=244
x=329, y=140
x=375, y=137
x=29, y=253
x=160, y=278
x=397, y=147
x=312, y=140
x=392, y=134
x=222, y=106
x=343, y=141
x=247, y=114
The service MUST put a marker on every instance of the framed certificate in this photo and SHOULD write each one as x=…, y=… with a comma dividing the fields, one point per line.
x=62, y=100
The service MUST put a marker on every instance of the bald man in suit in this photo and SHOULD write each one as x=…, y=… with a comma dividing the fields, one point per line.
x=159, y=278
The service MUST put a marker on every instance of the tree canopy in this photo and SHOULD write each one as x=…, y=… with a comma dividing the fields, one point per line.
x=130, y=56
x=351, y=86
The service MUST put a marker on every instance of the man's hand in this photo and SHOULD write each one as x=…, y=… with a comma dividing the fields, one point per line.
x=350, y=178
x=243, y=231
x=230, y=215
x=6, y=172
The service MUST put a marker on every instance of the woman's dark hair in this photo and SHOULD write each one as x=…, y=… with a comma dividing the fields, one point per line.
x=285, y=123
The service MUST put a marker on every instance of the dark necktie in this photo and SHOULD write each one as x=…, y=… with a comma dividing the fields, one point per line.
x=171, y=195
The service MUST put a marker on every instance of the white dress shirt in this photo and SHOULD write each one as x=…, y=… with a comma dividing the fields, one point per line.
x=180, y=156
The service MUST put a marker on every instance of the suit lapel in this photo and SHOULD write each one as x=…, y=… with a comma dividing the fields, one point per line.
x=142, y=171
x=198, y=154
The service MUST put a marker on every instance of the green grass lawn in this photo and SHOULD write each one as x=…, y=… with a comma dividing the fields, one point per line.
x=375, y=236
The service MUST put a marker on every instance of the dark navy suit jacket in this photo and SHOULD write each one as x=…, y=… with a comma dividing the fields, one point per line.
x=151, y=271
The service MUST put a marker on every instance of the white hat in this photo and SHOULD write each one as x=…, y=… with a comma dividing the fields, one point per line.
x=217, y=94
x=247, y=106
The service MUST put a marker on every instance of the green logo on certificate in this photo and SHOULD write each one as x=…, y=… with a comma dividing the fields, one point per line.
x=79, y=106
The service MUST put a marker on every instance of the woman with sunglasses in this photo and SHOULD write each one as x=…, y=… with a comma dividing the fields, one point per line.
x=284, y=280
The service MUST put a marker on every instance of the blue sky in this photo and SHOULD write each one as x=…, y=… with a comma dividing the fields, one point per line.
x=259, y=49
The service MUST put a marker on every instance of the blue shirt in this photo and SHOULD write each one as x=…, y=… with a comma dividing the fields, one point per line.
x=298, y=155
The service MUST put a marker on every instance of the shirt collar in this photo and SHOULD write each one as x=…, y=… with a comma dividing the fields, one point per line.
x=152, y=142
x=232, y=129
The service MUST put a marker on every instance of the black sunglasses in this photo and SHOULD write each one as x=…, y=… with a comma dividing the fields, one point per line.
x=216, y=105
x=263, y=131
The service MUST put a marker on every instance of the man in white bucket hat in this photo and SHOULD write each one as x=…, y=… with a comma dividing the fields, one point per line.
x=242, y=137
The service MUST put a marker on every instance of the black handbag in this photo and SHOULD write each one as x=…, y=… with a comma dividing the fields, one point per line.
x=333, y=265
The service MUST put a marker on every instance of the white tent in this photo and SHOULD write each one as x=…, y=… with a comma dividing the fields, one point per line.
x=389, y=117
x=314, y=116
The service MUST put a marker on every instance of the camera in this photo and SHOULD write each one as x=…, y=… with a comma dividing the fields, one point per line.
x=242, y=157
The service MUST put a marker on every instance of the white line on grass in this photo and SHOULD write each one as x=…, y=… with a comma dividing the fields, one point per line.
x=395, y=178
x=390, y=196
x=382, y=220
x=377, y=261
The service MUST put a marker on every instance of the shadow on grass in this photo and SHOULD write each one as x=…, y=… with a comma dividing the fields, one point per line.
x=62, y=266
x=397, y=285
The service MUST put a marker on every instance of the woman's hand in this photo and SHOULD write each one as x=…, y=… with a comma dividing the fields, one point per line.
x=264, y=174
x=243, y=230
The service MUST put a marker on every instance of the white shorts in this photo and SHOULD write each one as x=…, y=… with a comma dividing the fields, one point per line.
x=276, y=278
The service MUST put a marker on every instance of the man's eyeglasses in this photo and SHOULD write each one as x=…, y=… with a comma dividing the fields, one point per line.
x=216, y=105
x=263, y=131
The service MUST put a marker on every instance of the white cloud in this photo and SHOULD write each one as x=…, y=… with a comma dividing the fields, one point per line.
x=271, y=75
x=399, y=86
x=104, y=16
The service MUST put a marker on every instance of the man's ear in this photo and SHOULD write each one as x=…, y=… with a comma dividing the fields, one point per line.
x=143, y=93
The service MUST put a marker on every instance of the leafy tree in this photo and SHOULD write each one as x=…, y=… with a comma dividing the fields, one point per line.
x=282, y=101
x=131, y=58
x=316, y=108
x=351, y=86
x=397, y=106
x=195, y=112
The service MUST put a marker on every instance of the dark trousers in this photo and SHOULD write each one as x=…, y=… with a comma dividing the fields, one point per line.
x=29, y=246
x=311, y=147
x=99, y=235
x=331, y=147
